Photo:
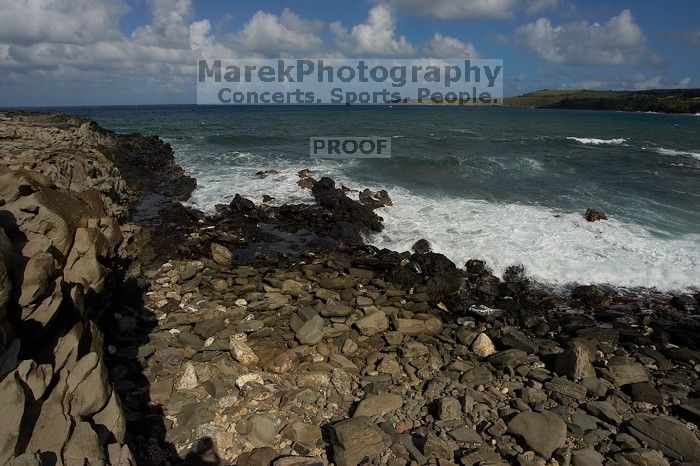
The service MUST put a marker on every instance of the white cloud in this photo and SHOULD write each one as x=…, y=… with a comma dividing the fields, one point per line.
x=62, y=21
x=657, y=82
x=532, y=7
x=619, y=41
x=269, y=34
x=457, y=9
x=373, y=37
x=449, y=47
x=294, y=22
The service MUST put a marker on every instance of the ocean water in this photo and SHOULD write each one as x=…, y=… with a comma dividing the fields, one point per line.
x=505, y=185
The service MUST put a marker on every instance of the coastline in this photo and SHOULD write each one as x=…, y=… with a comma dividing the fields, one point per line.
x=258, y=312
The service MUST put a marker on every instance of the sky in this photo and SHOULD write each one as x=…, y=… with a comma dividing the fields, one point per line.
x=131, y=52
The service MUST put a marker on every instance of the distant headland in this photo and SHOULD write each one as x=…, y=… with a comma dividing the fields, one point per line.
x=656, y=100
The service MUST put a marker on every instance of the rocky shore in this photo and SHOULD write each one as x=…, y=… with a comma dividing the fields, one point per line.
x=136, y=330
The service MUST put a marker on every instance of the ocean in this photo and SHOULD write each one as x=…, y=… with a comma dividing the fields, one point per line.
x=505, y=185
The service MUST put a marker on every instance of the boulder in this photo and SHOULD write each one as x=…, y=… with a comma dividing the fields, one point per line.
x=542, y=432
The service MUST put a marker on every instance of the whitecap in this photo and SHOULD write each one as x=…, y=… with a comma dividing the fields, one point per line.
x=595, y=141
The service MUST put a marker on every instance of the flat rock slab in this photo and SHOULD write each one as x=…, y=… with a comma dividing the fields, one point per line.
x=667, y=435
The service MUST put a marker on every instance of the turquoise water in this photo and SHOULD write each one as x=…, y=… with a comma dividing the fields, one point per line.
x=507, y=185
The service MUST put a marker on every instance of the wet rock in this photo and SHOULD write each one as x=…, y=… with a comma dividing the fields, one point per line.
x=375, y=200
x=265, y=173
x=422, y=246
x=592, y=215
x=354, y=440
x=542, y=432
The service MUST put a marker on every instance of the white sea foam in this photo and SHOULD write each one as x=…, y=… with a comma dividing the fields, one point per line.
x=597, y=142
x=664, y=151
x=557, y=248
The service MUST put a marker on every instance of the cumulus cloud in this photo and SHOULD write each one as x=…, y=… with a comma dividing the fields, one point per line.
x=457, y=9
x=619, y=41
x=449, y=47
x=63, y=21
x=533, y=7
x=269, y=34
x=376, y=36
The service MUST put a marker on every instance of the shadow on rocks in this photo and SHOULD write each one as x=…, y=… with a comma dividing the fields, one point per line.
x=126, y=343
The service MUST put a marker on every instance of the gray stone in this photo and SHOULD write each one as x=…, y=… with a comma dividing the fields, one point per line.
x=574, y=362
x=435, y=447
x=378, y=405
x=373, y=323
x=263, y=429
x=301, y=432
x=221, y=255
x=335, y=310
x=542, y=432
x=641, y=458
x=449, y=409
x=206, y=328
x=188, y=273
x=667, y=435
x=566, y=388
x=311, y=332
x=356, y=439
x=624, y=371
x=586, y=457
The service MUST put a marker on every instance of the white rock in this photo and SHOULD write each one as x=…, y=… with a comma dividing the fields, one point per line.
x=248, y=378
x=483, y=346
x=188, y=381
x=241, y=351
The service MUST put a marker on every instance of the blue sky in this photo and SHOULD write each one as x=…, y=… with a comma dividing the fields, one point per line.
x=97, y=52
